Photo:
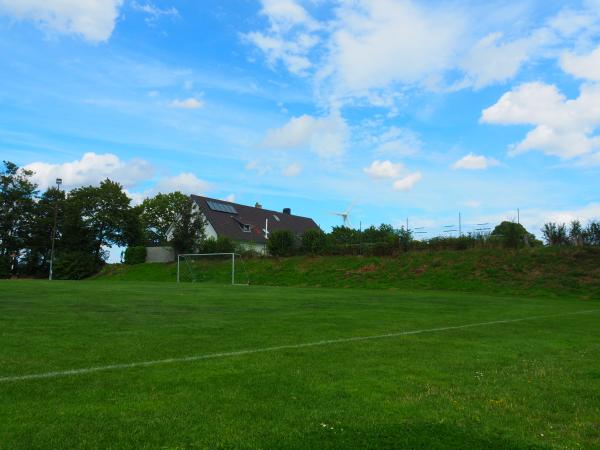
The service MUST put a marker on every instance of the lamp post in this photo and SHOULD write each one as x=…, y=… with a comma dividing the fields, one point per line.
x=58, y=183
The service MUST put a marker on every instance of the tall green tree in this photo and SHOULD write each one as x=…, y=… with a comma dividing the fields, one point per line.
x=49, y=206
x=17, y=205
x=159, y=213
x=188, y=229
x=97, y=217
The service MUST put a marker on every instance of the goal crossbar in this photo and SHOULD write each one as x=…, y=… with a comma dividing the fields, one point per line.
x=232, y=255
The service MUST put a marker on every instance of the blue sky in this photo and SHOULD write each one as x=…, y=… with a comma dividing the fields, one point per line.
x=416, y=109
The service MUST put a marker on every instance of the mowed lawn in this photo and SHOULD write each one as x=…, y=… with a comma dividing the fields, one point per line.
x=531, y=383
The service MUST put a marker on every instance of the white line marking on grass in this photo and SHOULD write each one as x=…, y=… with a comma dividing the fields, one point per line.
x=66, y=373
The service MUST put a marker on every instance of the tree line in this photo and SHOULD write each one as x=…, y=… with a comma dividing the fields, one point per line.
x=85, y=221
x=88, y=220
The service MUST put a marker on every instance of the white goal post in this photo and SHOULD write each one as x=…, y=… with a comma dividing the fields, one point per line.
x=184, y=258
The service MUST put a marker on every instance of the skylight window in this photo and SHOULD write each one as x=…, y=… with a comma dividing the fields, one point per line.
x=277, y=218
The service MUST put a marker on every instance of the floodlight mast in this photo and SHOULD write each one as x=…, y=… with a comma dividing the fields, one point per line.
x=58, y=183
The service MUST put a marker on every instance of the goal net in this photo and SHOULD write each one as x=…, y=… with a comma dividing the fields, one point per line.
x=217, y=268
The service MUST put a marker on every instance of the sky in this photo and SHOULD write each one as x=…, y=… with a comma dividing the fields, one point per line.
x=394, y=109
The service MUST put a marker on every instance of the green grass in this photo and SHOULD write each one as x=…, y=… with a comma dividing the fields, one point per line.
x=528, y=384
x=540, y=271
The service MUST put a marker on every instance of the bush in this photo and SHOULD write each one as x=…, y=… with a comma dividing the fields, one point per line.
x=281, y=243
x=135, y=255
x=75, y=266
x=4, y=267
x=219, y=245
x=314, y=242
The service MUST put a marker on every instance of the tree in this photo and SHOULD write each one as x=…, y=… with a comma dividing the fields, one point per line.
x=314, y=242
x=576, y=233
x=17, y=204
x=555, y=234
x=514, y=235
x=281, y=243
x=159, y=213
x=49, y=206
x=591, y=234
x=97, y=217
x=188, y=229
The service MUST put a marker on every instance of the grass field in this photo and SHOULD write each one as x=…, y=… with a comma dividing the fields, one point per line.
x=483, y=372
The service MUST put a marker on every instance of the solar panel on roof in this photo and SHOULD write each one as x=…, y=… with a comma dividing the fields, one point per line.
x=221, y=207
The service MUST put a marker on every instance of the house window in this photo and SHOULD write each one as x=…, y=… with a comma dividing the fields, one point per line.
x=245, y=228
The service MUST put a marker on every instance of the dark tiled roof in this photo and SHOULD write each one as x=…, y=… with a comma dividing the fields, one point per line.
x=230, y=225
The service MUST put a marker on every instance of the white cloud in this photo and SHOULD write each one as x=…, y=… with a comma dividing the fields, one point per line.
x=189, y=103
x=562, y=127
x=399, y=142
x=91, y=169
x=285, y=14
x=490, y=60
x=472, y=203
x=379, y=170
x=474, y=162
x=408, y=182
x=292, y=170
x=380, y=42
x=258, y=167
x=230, y=198
x=92, y=19
x=326, y=136
x=186, y=183
x=153, y=12
x=582, y=66
x=290, y=37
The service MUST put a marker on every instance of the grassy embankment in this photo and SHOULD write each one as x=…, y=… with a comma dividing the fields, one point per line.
x=540, y=271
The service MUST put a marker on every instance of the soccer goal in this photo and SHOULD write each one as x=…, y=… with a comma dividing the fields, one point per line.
x=212, y=267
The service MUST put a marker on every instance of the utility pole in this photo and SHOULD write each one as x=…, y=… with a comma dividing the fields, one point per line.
x=518, y=216
x=459, y=225
x=58, y=183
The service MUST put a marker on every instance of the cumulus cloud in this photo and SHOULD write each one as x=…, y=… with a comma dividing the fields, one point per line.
x=474, y=162
x=187, y=183
x=582, y=66
x=94, y=20
x=91, y=169
x=408, y=182
x=562, y=127
x=380, y=42
x=325, y=136
x=188, y=103
x=380, y=170
x=292, y=170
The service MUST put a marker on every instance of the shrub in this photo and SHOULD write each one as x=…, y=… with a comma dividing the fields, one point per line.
x=4, y=267
x=281, y=243
x=314, y=242
x=219, y=245
x=135, y=255
x=75, y=266
x=555, y=234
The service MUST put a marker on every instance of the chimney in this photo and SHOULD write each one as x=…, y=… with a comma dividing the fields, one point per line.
x=258, y=205
x=287, y=211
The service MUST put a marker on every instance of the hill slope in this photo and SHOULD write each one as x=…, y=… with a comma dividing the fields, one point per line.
x=540, y=271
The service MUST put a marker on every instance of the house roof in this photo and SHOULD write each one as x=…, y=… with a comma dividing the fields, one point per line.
x=229, y=221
